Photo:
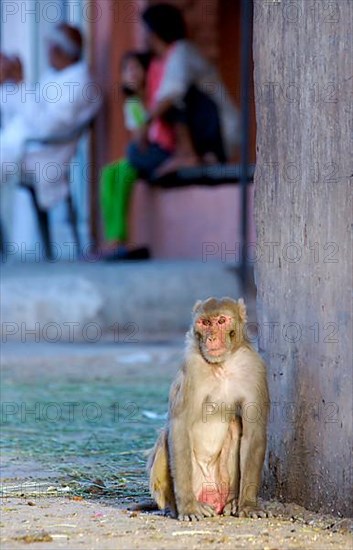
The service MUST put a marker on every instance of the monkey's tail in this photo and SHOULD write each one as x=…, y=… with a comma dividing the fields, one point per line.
x=144, y=506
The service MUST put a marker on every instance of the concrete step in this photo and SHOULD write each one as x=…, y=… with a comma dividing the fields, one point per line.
x=86, y=301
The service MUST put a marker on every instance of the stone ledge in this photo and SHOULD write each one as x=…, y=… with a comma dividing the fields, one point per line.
x=82, y=298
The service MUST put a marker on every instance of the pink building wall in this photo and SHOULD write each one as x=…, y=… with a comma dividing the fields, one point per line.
x=200, y=223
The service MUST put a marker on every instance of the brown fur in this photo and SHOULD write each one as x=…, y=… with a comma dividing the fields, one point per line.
x=209, y=457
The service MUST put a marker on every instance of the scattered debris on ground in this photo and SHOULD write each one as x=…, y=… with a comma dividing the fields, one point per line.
x=76, y=431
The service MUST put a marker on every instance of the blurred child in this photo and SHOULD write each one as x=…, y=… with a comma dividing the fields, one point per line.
x=133, y=77
x=118, y=178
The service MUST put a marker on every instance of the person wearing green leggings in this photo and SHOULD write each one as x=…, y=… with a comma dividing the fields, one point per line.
x=118, y=178
x=117, y=182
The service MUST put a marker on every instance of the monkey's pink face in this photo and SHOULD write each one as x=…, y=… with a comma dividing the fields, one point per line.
x=215, y=335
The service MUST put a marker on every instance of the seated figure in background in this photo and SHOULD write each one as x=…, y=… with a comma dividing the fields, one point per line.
x=63, y=100
x=191, y=115
x=190, y=120
x=118, y=178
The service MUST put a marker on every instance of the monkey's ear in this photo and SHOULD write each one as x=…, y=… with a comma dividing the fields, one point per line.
x=242, y=310
x=197, y=306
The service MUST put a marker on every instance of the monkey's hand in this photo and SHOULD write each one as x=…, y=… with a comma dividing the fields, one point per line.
x=195, y=511
x=253, y=511
x=230, y=508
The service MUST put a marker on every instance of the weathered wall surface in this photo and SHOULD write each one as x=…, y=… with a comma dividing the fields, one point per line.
x=303, y=208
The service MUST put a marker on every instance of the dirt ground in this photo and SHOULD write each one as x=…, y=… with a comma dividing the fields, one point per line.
x=70, y=472
x=60, y=522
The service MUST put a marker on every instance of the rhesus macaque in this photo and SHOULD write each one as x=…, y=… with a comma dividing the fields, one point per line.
x=209, y=457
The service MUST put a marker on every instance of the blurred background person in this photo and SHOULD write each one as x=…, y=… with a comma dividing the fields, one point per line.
x=65, y=98
x=41, y=115
x=186, y=93
x=190, y=120
x=10, y=74
x=118, y=178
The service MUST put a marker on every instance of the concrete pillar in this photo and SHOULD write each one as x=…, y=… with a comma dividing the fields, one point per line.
x=303, y=210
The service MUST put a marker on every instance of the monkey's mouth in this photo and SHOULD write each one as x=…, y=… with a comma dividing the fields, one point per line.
x=215, y=351
x=213, y=356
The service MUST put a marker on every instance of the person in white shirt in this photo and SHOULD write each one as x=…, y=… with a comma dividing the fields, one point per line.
x=63, y=100
x=187, y=93
x=187, y=67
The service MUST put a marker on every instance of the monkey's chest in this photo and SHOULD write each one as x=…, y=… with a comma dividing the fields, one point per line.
x=220, y=390
x=216, y=404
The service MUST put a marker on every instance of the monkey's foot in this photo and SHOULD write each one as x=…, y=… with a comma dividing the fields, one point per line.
x=253, y=512
x=230, y=508
x=196, y=512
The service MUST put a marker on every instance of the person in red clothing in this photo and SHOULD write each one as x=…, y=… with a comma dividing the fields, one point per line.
x=185, y=124
x=157, y=140
x=188, y=123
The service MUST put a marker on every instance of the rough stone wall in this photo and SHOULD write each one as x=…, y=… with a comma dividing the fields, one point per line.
x=303, y=58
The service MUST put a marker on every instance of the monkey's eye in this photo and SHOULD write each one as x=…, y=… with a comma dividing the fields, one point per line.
x=221, y=320
x=206, y=322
